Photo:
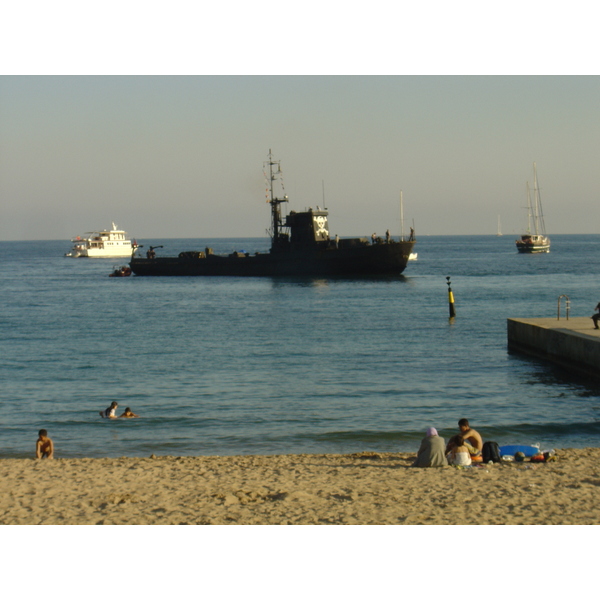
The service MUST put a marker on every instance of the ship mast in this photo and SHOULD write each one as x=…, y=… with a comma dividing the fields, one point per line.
x=274, y=174
x=401, y=218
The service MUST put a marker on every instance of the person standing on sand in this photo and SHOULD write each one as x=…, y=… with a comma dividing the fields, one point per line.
x=431, y=452
x=44, y=447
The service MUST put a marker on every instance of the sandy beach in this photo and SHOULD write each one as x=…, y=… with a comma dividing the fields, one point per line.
x=365, y=488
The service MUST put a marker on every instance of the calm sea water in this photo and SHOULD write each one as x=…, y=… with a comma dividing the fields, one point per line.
x=225, y=366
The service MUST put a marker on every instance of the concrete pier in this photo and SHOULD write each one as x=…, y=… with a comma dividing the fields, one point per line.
x=573, y=344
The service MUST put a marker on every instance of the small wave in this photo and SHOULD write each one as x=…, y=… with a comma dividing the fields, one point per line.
x=364, y=436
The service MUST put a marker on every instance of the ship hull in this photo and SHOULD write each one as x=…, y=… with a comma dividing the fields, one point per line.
x=387, y=258
x=124, y=252
x=533, y=244
x=533, y=249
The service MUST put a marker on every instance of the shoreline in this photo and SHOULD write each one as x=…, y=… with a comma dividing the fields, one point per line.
x=367, y=488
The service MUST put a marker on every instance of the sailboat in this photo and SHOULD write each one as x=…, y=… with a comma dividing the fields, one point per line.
x=499, y=230
x=534, y=241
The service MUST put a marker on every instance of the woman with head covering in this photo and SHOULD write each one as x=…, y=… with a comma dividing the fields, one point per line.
x=432, y=452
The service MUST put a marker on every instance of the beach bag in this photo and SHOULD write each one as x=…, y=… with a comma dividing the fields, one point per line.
x=490, y=452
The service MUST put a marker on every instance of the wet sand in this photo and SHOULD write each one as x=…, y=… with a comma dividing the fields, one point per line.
x=365, y=488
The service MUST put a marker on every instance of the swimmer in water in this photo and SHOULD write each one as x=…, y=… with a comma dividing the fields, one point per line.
x=128, y=414
x=109, y=413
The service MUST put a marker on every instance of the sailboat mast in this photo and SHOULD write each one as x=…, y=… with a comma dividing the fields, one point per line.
x=539, y=215
x=528, y=209
x=536, y=208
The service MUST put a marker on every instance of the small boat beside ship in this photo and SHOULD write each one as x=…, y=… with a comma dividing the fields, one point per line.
x=108, y=243
x=124, y=271
x=300, y=245
x=535, y=241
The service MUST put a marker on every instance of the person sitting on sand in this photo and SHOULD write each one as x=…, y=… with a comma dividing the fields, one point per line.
x=110, y=412
x=472, y=439
x=431, y=452
x=44, y=447
x=128, y=414
x=459, y=454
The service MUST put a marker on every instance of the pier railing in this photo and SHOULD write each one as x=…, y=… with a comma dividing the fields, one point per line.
x=567, y=306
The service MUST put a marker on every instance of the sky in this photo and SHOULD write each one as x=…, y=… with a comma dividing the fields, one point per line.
x=161, y=121
x=182, y=156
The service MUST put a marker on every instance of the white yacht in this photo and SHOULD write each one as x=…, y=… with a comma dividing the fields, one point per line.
x=111, y=243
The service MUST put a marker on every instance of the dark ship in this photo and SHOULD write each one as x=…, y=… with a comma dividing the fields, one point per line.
x=300, y=245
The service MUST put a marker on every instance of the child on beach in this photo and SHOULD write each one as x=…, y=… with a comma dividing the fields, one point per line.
x=128, y=414
x=109, y=413
x=44, y=447
x=459, y=454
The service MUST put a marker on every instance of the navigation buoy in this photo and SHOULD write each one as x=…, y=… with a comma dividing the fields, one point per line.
x=450, y=299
